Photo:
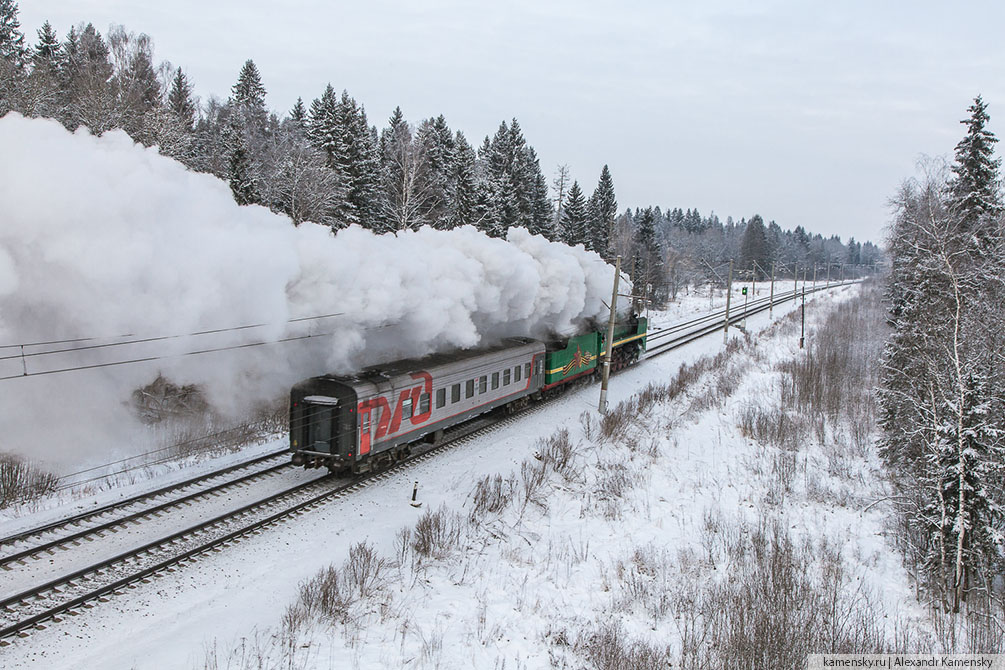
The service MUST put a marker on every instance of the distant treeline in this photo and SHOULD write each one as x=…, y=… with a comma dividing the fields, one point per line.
x=325, y=162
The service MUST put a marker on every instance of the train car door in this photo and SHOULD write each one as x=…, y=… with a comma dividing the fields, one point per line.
x=321, y=420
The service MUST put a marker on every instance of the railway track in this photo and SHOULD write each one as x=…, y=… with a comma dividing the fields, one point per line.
x=18, y=547
x=663, y=340
x=35, y=608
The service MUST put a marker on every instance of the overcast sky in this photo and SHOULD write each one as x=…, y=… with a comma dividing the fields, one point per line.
x=804, y=112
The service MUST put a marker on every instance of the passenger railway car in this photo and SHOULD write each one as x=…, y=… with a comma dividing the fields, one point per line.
x=369, y=419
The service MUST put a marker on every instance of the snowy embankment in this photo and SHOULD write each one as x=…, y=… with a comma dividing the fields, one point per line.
x=619, y=545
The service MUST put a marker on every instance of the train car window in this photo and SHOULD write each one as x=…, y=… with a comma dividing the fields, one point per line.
x=495, y=380
x=526, y=370
x=506, y=378
x=483, y=384
x=423, y=403
x=455, y=393
x=366, y=423
x=441, y=398
x=469, y=388
x=540, y=366
x=406, y=409
x=516, y=373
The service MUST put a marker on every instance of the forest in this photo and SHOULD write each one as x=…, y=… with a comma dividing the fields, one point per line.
x=324, y=161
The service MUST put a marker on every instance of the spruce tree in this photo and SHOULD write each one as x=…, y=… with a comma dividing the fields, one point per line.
x=541, y=222
x=242, y=183
x=647, y=255
x=574, y=217
x=12, y=48
x=248, y=98
x=435, y=142
x=180, y=100
x=299, y=114
x=603, y=207
x=47, y=52
x=974, y=191
x=463, y=206
x=754, y=246
x=323, y=125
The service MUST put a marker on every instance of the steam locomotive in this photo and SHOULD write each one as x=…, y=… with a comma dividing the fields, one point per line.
x=371, y=419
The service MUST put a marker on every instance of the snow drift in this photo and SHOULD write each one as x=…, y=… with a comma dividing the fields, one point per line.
x=103, y=238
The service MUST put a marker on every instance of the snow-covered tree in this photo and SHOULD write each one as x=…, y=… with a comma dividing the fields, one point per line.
x=180, y=101
x=975, y=188
x=12, y=46
x=437, y=147
x=47, y=49
x=754, y=246
x=248, y=97
x=941, y=403
x=91, y=100
x=510, y=187
x=574, y=217
x=561, y=185
x=602, y=208
x=408, y=197
x=463, y=204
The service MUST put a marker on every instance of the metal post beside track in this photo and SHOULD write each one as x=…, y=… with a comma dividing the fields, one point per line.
x=771, y=296
x=729, y=292
x=802, y=317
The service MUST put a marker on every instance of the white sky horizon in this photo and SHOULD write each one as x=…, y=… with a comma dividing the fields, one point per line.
x=805, y=114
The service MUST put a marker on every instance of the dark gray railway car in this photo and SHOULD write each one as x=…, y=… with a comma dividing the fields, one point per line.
x=359, y=421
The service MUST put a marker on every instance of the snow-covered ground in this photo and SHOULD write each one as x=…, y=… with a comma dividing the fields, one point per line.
x=520, y=586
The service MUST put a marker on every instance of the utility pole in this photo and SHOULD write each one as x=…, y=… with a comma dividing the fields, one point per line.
x=753, y=278
x=771, y=298
x=814, y=276
x=729, y=293
x=828, y=273
x=610, y=339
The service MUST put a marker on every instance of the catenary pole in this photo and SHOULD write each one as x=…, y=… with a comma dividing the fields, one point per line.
x=771, y=296
x=729, y=292
x=610, y=339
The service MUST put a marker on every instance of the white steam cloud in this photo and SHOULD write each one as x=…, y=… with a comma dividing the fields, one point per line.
x=101, y=238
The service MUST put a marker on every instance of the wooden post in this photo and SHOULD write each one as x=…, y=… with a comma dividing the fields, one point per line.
x=610, y=338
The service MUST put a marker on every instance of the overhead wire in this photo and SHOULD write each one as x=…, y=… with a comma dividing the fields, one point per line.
x=159, y=338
